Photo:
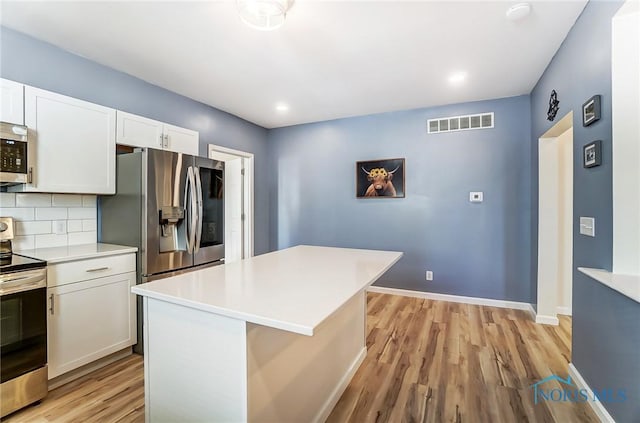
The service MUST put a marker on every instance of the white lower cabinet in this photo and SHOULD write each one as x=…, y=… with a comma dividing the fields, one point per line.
x=88, y=320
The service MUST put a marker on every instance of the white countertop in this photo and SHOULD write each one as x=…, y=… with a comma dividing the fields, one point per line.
x=294, y=289
x=76, y=252
x=627, y=285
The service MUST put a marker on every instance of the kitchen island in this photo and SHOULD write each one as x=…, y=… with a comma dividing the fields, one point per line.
x=275, y=337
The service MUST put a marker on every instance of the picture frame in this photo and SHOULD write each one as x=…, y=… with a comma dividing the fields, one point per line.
x=591, y=110
x=383, y=178
x=592, y=154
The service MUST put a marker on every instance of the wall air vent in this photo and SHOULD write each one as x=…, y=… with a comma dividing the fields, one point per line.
x=460, y=123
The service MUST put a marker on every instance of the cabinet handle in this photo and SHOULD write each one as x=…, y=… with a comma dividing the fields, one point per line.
x=30, y=176
x=98, y=269
x=166, y=141
x=51, y=304
x=161, y=140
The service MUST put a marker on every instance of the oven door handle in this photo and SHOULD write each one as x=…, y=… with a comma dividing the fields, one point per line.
x=25, y=283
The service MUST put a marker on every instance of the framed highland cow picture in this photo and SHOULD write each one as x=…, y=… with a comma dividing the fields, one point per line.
x=380, y=178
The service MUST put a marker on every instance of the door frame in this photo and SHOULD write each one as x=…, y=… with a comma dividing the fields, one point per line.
x=248, y=197
x=547, y=309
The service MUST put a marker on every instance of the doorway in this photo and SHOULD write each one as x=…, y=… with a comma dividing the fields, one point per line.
x=238, y=201
x=555, y=221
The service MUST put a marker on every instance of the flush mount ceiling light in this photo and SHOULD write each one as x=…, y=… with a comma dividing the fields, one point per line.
x=518, y=11
x=265, y=15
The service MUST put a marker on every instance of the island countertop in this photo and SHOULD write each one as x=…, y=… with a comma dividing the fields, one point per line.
x=294, y=289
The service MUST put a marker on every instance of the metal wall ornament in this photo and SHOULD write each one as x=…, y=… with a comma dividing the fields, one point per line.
x=553, y=106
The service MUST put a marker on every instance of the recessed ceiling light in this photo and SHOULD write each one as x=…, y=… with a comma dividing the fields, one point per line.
x=457, y=78
x=281, y=107
x=518, y=11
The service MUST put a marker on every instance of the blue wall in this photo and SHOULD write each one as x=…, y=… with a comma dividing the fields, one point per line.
x=480, y=250
x=33, y=62
x=606, y=330
x=305, y=181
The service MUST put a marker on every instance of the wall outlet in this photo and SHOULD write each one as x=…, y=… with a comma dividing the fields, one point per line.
x=429, y=275
x=60, y=227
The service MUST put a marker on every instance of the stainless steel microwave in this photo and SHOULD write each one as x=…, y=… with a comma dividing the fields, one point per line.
x=14, y=155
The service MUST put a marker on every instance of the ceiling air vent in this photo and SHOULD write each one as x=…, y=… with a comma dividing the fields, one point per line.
x=460, y=123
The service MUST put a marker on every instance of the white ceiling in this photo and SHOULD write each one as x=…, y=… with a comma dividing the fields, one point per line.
x=331, y=59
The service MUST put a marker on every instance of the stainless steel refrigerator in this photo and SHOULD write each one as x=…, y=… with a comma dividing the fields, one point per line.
x=169, y=205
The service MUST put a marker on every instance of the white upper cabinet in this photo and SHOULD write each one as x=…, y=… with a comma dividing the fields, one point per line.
x=181, y=140
x=138, y=131
x=11, y=102
x=73, y=142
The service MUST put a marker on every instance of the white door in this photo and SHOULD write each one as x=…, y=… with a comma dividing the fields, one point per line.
x=138, y=131
x=181, y=140
x=74, y=144
x=11, y=102
x=89, y=320
x=233, y=209
x=238, y=200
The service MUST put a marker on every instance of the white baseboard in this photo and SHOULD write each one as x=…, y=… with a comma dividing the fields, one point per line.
x=532, y=312
x=453, y=298
x=331, y=402
x=596, y=406
x=565, y=311
x=547, y=320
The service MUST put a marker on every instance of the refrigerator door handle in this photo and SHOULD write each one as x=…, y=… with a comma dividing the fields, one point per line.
x=196, y=171
x=194, y=212
x=187, y=233
x=188, y=204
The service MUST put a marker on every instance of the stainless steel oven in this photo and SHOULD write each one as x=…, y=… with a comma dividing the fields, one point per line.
x=14, y=155
x=23, y=332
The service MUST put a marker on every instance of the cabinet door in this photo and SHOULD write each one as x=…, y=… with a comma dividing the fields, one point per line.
x=11, y=102
x=89, y=320
x=138, y=131
x=182, y=140
x=74, y=144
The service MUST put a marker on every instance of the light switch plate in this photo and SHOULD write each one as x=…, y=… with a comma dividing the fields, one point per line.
x=476, y=196
x=588, y=226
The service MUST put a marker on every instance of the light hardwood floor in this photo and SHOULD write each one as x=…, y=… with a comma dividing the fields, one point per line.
x=435, y=361
x=427, y=361
x=114, y=393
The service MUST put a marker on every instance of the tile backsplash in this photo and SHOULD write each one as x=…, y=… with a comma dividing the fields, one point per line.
x=50, y=220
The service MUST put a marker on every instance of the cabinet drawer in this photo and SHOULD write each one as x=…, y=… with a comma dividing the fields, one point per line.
x=82, y=270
